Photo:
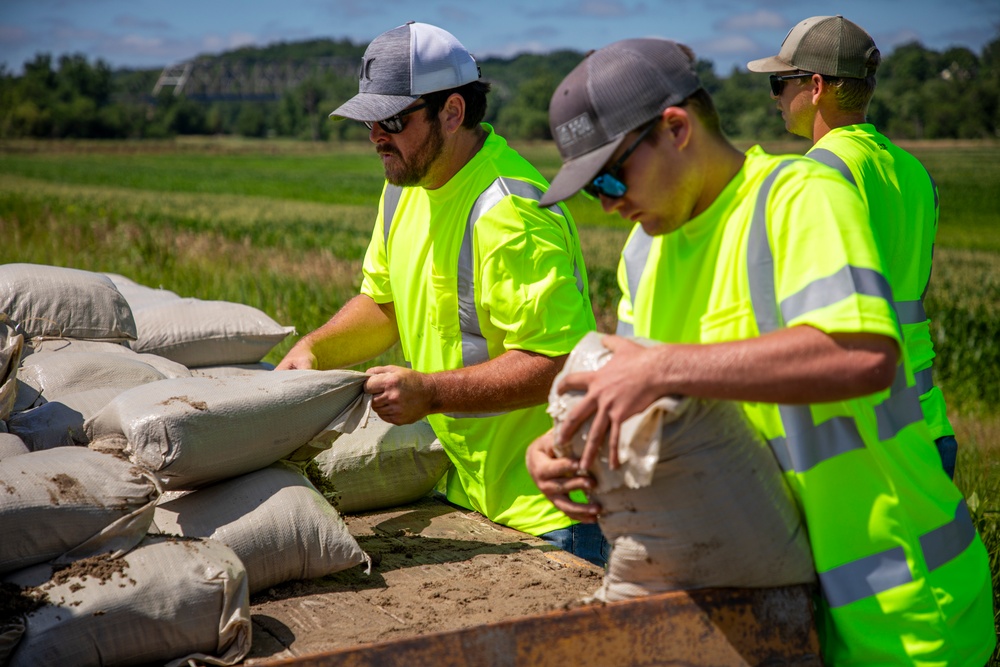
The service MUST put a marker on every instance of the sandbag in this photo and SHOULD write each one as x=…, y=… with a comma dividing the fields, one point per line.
x=278, y=524
x=60, y=423
x=382, y=465
x=195, y=431
x=232, y=369
x=169, y=369
x=166, y=600
x=71, y=503
x=138, y=295
x=11, y=348
x=715, y=510
x=58, y=302
x=197, y=333
x=57, y=374
x=10, y=444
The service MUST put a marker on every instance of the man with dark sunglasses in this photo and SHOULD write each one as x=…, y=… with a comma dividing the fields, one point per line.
x=827, y=104
x=761, y=278
x=484, y=290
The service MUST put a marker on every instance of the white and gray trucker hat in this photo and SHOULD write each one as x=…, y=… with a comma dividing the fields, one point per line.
x=401, y=65
x=612, y=92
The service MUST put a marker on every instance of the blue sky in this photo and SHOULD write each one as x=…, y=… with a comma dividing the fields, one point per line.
x=151, y=34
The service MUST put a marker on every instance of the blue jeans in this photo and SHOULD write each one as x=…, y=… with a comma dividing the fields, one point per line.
x=948, y=449
x=582, y=539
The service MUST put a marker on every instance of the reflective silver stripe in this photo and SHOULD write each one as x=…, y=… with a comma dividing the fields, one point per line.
x=865, y=577
x=947, y=542
x=925, y=381
x=760, y=261
x=911, y=312
x=900, y=409
x=883, y=571
x=625, y=329
x=806, y=444
x=831, y=159
x=390, y=201
x=826, y=291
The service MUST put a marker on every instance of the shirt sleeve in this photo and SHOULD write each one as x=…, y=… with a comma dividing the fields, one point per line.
x=375, y=280
x=531, y=282
x=828, y=273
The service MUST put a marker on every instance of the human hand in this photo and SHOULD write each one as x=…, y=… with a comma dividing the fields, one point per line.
x=623, y=387
x=399, y=395
x=556, y=477
x=298, y=358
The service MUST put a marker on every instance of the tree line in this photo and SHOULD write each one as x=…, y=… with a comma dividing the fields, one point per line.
x=921, y=94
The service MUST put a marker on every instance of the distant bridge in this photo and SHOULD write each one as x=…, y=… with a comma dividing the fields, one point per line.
x=213, y=79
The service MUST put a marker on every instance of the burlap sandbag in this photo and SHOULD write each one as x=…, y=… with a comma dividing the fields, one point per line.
x=60, y=423
x=71, y=503
x=278, y=524
x=57, y=302
x=11, y=348
x=10, y=444
x=231, y=370
x=167, y=601
x=138, y=295
x=196, y=431
x=715, y=512
x=197, y=333
x=382, y=465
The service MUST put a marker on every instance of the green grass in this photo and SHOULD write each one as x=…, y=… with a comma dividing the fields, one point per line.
x=283, y=226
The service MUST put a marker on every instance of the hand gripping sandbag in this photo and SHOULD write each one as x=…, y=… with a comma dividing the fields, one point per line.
x=716, y=511
x=57, y=302
x=383, y=465
x=11, y=348
x=167, y=601
x=196, y=431
x=274, y=519
x=71, y=503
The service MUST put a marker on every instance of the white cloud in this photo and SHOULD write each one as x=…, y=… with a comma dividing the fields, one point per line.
x=761, y=19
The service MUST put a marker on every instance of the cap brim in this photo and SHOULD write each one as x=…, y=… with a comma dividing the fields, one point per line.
x=371, y=107
x=579, y=171
x=771, y=64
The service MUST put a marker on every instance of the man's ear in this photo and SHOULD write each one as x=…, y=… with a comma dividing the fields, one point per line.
x=675, y=125
x=453, y=113
x=819, y=86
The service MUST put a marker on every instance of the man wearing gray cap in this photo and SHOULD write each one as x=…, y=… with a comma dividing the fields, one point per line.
x=484, y=290
x=760, y=275
x=823, y=79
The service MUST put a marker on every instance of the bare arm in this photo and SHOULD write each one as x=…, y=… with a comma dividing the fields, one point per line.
x=359, y=331
x=514, y=380
x=798, y=365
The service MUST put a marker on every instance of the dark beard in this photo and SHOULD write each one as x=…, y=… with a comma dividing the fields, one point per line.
x=413, y=172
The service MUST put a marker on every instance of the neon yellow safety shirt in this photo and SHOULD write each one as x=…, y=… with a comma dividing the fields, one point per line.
x=904, y=577
x=476, y=268
x=902, y=203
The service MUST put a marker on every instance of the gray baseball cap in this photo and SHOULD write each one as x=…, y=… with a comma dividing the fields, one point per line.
x=829, y=45
x=612, y=92
x=401, y=65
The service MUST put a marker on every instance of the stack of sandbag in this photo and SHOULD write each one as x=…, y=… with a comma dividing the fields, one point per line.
x=699, y=500
x=237, y=518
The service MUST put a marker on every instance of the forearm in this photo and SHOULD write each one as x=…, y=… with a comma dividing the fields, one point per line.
x=793, y=366
x=360, y=331
x=514, y=380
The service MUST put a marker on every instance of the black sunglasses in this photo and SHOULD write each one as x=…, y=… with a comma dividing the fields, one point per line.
x=607, y=182
x=778, y=82
x=394, y=124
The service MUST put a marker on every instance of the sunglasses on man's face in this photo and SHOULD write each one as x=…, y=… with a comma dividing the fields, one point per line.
x=394, y=124
x=607, y=182
x=778, y=82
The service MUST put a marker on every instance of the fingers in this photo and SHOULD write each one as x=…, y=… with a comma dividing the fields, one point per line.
x=582, y=512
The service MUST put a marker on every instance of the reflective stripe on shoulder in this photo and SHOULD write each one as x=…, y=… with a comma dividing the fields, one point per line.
x=831, y=159
x=635, y=255
x=390, y=202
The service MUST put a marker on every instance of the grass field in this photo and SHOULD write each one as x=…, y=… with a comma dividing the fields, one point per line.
x=283, y=226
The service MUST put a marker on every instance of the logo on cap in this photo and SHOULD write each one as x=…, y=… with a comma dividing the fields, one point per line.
x=574, y=129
